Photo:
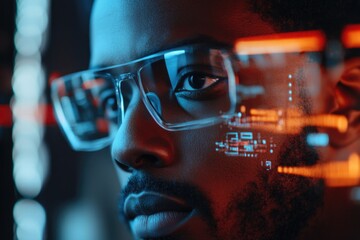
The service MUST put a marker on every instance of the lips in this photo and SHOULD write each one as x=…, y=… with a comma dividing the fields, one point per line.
x=153, y=214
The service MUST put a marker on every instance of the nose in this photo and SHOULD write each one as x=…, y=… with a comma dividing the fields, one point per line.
x=140, y=143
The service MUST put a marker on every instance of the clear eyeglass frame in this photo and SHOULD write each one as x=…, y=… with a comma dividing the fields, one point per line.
x=133, y=71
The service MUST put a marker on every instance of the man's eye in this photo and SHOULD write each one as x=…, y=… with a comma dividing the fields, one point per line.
x=196, y=81
x=201, y=82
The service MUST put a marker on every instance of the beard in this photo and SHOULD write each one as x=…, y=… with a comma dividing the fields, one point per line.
x=273, y=206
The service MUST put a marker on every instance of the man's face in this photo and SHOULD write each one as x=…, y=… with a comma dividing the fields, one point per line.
x=175, y=184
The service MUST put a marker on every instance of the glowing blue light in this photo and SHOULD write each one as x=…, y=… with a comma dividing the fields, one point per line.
x=317, y=139
x=246, y=135
x=30, y=219
x=27, y=177
x=27, y=46
x=28, y=83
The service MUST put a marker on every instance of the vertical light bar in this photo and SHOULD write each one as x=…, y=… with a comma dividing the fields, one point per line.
x=30, y=157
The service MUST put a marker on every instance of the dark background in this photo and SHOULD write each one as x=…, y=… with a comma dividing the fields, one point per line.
x=7, y=193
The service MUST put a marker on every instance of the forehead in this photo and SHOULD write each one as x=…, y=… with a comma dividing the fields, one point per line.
x=123, y=30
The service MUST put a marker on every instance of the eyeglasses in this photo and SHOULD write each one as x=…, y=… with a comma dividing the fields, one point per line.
x=183, y=88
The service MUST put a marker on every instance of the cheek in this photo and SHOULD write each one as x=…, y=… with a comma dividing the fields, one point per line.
x=217, y=174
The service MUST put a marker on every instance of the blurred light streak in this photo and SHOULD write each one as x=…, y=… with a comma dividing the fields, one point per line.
x=306, y=41
x=322, y=120
x=6, y=114
x=29, y=113
x=27, y=179
x=28, y=79
x=335, y=173
x=28, y=86
x=25, y=48
x=30, y=218
x=289, y=120
x=351, y=36
x=317, y=139
x=266, y=112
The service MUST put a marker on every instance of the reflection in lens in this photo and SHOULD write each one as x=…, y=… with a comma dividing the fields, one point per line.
x=187, y=86
x=85, y=105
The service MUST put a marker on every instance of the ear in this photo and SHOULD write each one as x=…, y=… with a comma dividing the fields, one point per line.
x=347, y=89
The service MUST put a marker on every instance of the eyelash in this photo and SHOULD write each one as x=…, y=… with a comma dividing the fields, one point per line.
x=199, y=94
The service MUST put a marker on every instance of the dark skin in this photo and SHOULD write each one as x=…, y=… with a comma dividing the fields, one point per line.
x=233, y=198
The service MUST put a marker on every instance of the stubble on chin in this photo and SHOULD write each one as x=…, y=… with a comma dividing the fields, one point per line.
x=274, y=206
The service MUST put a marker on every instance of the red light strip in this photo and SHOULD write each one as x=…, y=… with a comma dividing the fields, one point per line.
x=5, y=116
x=6, y=119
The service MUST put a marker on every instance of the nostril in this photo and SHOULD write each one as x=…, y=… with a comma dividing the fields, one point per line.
x=150, y=160
x=137, y=162
x=146, y=161
x=123, y=166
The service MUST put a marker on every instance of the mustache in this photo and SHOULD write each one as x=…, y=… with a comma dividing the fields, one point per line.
x=189, y=193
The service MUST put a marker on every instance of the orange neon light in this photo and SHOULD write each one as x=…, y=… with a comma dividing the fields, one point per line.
x=307, y=41
x=290, y=120
x=265, y=112
x=328, y=120
x=335, y=173
x=242, y=109
x=351, y=36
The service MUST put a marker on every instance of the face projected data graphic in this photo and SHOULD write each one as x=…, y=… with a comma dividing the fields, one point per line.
x=284, y=89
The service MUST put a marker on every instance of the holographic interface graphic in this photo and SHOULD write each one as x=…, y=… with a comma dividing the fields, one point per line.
x=246, y=144
x=288, y=102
